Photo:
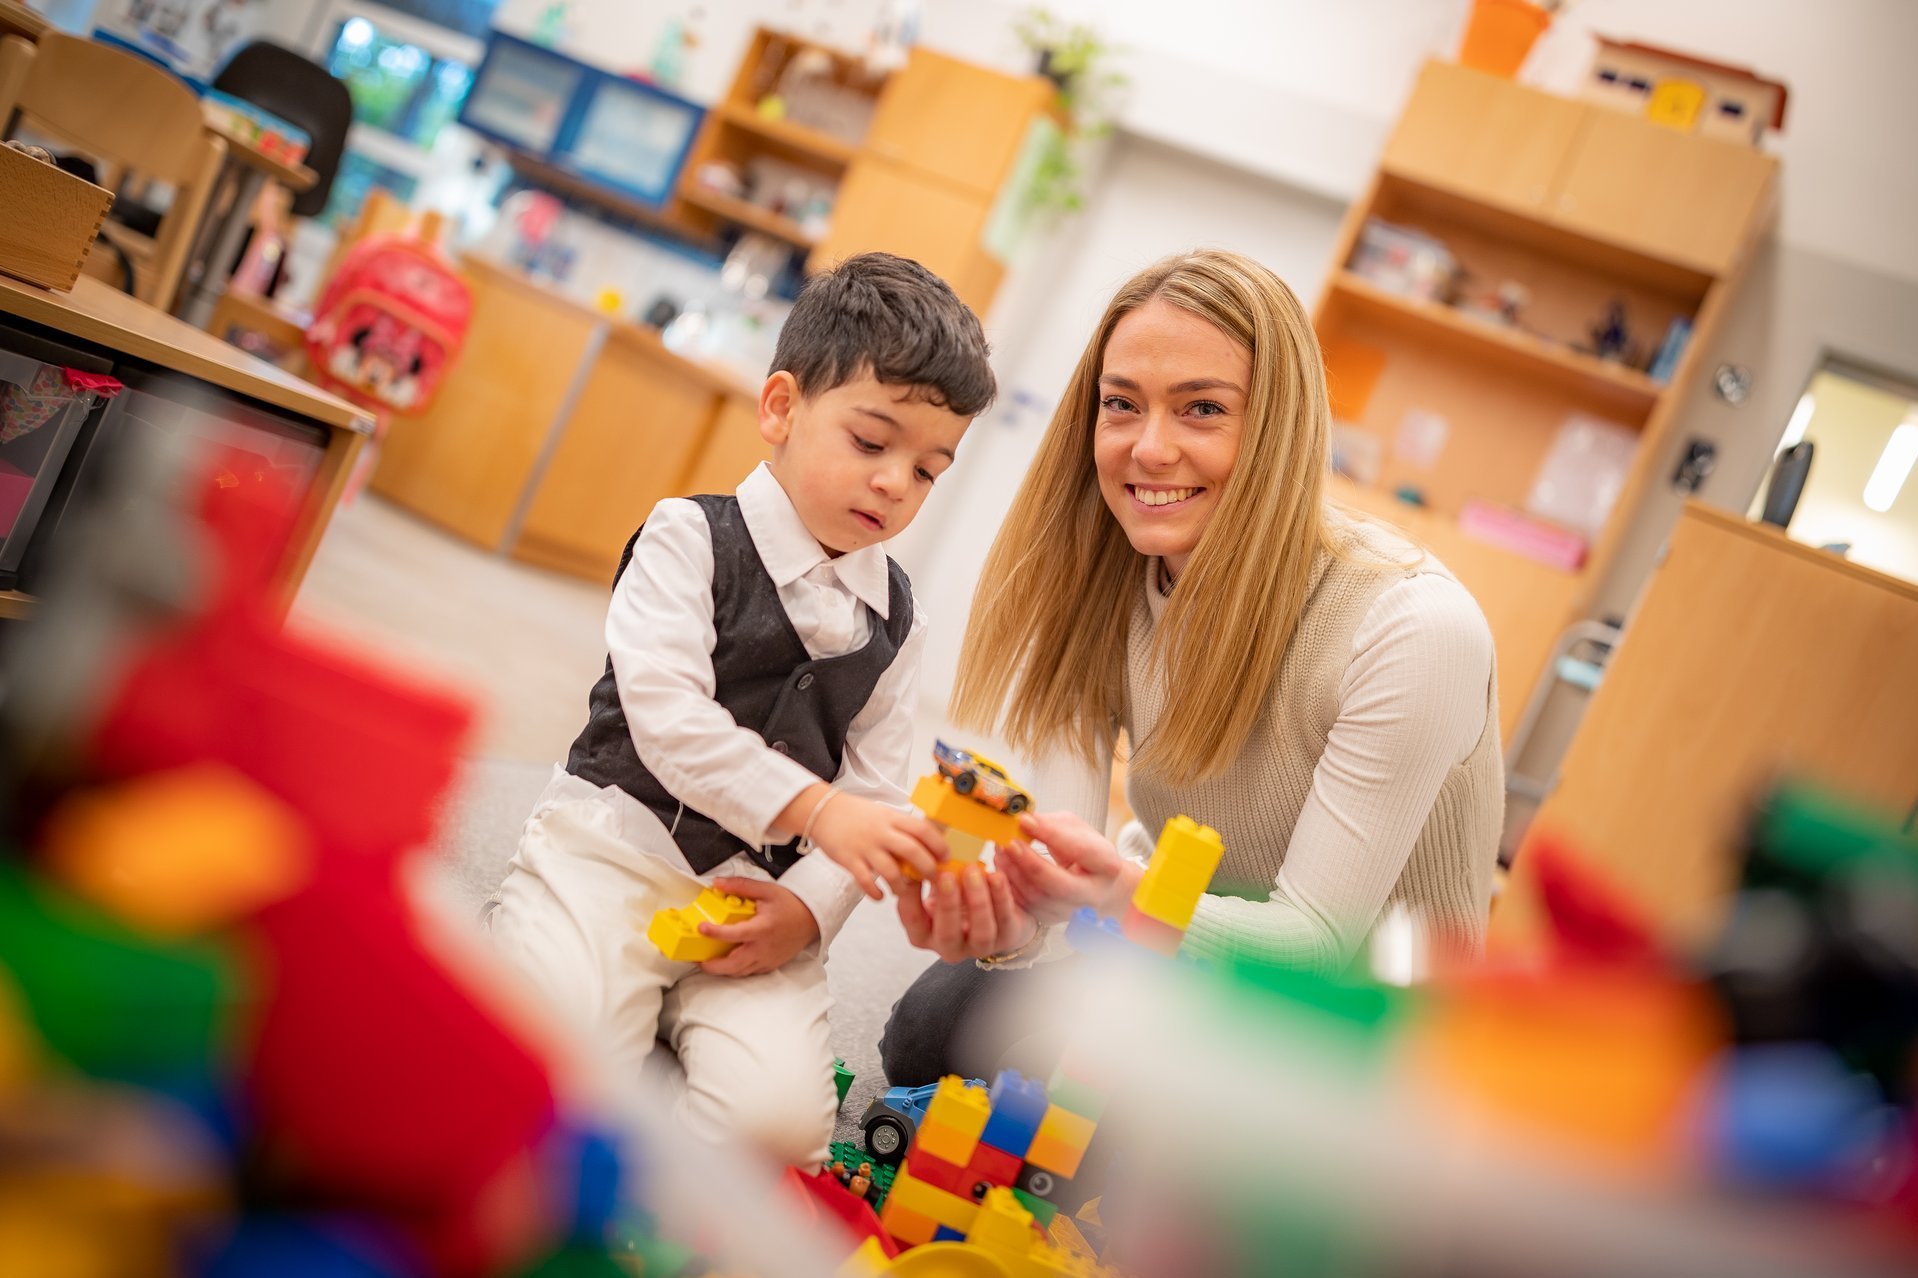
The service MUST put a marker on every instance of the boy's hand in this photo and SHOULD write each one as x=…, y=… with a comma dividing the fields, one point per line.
x=781, y=926
x=872, y=842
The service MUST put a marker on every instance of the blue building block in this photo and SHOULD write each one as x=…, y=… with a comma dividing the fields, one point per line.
x=1018, y=1106
x=946, y=1233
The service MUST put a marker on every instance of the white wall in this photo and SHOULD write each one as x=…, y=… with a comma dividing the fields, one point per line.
x=1149, y=201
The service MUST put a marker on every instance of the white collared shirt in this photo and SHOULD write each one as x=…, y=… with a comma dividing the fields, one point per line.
x=660, y=634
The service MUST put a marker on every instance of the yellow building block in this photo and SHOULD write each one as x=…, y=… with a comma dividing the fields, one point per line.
x=676, y=931
x=933, y=795
x=1049, y=1153
x=962, y=847
x=1181, y=869
x=913, y=1195
x=945, y=1143
x=181, y=851
x=868, y=1262
x=1002, y=1226
x=959, y=1108
x=912, y=1228
x=1067, y=1127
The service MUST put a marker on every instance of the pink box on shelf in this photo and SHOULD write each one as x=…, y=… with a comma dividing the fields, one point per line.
x=1523, y=535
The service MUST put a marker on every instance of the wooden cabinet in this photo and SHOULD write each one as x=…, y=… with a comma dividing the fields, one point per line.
x=1584, y=169
x=1750, y=658
x=641, y=418
x=732, y=449
x=944, y=140
x=1669, y=195
x=887, y=207
x=463, y=463
x=954, y=120
x=1581, y=209
x=1483, y=137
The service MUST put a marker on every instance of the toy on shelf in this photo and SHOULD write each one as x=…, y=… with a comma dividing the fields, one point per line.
x=1688, y=94
x=971, y=799
x=675, y=930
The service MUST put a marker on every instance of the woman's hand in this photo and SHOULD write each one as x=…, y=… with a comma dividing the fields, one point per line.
x=781, y=926
x=1082, y=870
x=972, y=915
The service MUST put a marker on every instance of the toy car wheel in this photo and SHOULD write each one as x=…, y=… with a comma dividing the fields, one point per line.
x=887, y=1136
x=966, y=782
x=1016, y=804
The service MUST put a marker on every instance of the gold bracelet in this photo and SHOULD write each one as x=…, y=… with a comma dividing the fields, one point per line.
x=991, y=961
x=805, y=834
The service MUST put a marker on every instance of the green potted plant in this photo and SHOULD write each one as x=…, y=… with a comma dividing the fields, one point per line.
x=1075, y=59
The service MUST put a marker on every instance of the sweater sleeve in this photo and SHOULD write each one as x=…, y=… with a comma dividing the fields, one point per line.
x=1412, y=705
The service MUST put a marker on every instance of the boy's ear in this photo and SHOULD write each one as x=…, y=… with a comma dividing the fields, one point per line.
x=777, y=400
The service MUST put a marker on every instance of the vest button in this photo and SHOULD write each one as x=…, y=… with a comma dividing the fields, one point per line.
x=780, y=746
x=805, y=681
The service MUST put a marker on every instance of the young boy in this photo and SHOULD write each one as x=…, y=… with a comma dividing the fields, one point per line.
x=759, y=687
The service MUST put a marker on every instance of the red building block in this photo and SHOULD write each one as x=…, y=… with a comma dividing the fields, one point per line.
x=376, y=1082
x=990, y=1167
x=933, y=1170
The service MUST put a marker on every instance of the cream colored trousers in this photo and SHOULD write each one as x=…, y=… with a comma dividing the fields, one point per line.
x=756, y=1051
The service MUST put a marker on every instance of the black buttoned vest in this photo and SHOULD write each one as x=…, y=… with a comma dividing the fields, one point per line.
x=763, y=676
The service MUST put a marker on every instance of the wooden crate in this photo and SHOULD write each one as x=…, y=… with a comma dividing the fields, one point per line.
x=48, y=220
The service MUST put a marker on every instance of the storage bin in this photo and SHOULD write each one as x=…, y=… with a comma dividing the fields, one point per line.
x=48, y=220
x=42, y=407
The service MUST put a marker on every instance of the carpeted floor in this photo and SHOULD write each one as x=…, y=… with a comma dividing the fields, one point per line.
x=869, y=966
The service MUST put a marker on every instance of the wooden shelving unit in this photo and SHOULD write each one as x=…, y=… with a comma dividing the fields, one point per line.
x=1583, y=207
x=944, y=145
x=810, y=143
x=738, y=211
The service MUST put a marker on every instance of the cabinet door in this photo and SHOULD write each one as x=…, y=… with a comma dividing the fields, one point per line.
x=636, y=427
x=1670, y=195
x=1483, y=137
x=882, y=206
x=954, y=120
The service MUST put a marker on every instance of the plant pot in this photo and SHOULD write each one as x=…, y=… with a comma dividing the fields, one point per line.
x=1500, y=33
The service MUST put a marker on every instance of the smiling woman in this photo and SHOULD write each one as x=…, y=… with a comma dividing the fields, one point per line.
x=1309, y=684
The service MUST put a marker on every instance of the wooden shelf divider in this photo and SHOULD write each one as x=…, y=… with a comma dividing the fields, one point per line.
x=1626, y=386
x=820, y=146
x=736, y=210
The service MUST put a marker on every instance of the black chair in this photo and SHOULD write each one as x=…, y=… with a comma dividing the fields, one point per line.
x=303, y=93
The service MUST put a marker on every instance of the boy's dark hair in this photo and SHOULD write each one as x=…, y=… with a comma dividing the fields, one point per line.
x=891, y=316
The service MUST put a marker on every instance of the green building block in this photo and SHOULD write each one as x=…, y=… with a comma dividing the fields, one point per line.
x=1805, y=835
x=852, y=1155
x=577, y=1262
x=110, y=1000
x=1042, y=1211
x=841, y=1078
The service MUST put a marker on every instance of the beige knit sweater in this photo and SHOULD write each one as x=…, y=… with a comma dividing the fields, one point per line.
x=1372, y=780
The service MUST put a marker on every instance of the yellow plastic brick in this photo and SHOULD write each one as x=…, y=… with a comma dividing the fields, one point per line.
x=1067, y=1127
x=915, y=1195
x=933, y=795
x=676, y=931
x=1181, y=869
x=963, y=1109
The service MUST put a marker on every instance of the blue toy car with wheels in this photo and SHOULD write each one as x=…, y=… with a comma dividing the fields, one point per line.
x=890, y=1122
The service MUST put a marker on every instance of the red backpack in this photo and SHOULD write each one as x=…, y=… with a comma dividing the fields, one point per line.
x=388, y=324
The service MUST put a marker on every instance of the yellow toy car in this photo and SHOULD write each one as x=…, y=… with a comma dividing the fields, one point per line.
x=980, y=779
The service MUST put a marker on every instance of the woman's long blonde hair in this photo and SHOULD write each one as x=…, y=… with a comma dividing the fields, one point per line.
x=1045, y=654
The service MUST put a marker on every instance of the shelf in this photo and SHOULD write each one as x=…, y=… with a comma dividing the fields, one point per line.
x=725, y=206
x=14, y=605
x=823, y=147
x=1626, y=387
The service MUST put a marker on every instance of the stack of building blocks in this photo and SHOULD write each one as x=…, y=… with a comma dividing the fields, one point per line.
x=207, y=957
x=676, y=931
x=968, y=823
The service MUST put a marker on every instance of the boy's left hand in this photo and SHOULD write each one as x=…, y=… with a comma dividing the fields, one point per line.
x=780, y=928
